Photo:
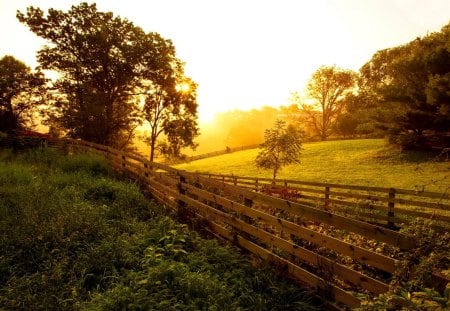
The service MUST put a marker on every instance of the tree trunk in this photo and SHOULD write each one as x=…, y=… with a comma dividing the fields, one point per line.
x=152, y=148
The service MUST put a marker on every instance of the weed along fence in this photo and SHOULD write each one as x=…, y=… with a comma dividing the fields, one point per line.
x=338, y=256
x=386, y=206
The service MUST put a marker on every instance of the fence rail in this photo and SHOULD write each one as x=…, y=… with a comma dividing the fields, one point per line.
x=386, y=206
x=307, y=242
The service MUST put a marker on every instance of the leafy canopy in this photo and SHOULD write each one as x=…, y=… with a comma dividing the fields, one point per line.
x=171, y=111
x=412, y=84
x=102, y=61
x=21, y=91
x=327, y=87
x=282, y=146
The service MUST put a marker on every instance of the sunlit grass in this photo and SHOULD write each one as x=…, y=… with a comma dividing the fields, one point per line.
x=367, y=162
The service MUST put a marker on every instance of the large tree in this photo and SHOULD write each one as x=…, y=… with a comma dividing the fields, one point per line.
x=411, y=83
x=21, y=91
x=101, y=60
x=326, y=88
x=171, y=109
x=282, y=146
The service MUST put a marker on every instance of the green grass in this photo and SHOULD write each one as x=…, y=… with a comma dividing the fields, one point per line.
x=368, y=162
x=73, y=237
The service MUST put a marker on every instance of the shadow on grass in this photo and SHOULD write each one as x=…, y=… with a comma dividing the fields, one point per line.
x=392, y=154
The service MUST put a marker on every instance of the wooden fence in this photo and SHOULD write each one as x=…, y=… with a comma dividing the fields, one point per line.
x=309, y=244
x=385, y=206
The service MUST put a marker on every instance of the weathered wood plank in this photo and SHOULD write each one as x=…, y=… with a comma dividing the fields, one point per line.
x=357, y=253
x=371, y=231
x=341, y=271
x=295, y=271
x=432, y=205
x=416, y=193
x=320, y=261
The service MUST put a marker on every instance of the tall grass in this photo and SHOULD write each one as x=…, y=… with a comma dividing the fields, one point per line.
x=74, y=237
x=359, y=162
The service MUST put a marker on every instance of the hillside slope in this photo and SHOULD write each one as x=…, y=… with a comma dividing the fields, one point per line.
x=359, y=162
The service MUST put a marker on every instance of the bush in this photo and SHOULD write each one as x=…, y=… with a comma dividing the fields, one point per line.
x=410, y=141
x=409, y=288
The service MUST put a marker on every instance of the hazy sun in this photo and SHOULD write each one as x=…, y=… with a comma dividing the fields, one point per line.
x=182, y=87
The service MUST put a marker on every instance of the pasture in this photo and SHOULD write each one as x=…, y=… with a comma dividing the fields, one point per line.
x=366, y=162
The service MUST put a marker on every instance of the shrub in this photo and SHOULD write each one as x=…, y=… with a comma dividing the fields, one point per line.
x=409, y=288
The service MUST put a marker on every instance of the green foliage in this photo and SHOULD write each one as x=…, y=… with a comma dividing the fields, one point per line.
x=183, y=272
x=357, y=117
x=409, y=289
x=56, y=246
x=103, y=60
x=282, y=146
x=327, y=87
x=346, y=125
x=171, y=109
x=414, y=79
x=20, y=91
x=72, y=238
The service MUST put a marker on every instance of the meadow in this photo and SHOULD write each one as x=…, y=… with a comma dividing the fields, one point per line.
x=76, y=236
x=367, y=162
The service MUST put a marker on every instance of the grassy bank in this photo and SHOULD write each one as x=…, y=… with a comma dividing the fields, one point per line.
x=360, y=162
x=73, y=237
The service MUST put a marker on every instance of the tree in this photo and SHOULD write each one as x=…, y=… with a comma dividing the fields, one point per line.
x=21, y=91
x=346, y=125
x=411, y=85
x=327, y=87
x=357, y=115
x=102, y=61
x=171, y=109
x=282, y=146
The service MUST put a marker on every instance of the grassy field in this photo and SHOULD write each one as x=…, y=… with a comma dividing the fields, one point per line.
x=367, y=162
x=73, y=237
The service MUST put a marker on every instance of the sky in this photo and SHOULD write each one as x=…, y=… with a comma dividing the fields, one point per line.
x=249, y=53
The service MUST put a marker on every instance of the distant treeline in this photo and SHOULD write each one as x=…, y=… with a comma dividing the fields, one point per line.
x=402, y=93
x=242, y=128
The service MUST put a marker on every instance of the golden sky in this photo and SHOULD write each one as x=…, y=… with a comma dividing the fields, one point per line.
x=249, y=53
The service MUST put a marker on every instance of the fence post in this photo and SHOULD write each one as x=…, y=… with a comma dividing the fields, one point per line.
x=146, y=171
x=249, y=203
x=391, y=205
x=183, y=212
x=181, y=204
x=256, y=184
x=327, y=197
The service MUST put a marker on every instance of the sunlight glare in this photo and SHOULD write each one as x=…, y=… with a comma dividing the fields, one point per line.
x=182, y=87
